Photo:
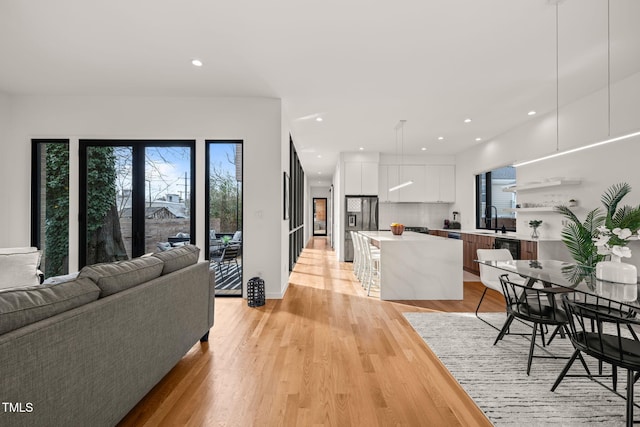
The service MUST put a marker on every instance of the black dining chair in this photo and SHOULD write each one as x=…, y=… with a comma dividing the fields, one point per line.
x=532, y=305
x=604, y=332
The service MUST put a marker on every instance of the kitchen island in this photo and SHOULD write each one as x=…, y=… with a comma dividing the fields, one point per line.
x=417, y=266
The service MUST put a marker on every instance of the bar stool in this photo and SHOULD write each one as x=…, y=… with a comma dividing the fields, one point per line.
x=357, y=255
x=371, y=265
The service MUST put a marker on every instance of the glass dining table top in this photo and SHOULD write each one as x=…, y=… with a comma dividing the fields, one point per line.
x=570, y=276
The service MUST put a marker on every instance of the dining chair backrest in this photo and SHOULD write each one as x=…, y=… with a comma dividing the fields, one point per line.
x=489, y=276
x=609, y=337
x=533, y=304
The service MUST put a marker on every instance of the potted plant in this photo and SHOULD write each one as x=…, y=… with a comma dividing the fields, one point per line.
x=535, y=223
x=602, y=235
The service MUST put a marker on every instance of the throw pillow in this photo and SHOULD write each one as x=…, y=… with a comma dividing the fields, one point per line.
x=56, y=280
x=19, y=267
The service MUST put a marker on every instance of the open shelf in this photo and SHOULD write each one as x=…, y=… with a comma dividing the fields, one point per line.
x=538, y=209
x=545, y=184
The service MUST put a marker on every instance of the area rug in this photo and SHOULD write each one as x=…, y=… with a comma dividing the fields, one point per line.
x=495, y=376
x=230, y=279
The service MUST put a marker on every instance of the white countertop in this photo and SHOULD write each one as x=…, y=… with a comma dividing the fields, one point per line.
x=508, y=235
x=408, y=236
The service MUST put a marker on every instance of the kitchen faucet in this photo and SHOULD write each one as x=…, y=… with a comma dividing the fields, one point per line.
x=490, y=212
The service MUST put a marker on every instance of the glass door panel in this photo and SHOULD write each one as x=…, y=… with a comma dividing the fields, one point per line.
x=137, y=198
x=319, y=216
x=108, y=229
x=224, y=206
x=167, y=196
x=50, y=201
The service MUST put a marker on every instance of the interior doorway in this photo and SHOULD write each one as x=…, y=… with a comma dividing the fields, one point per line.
x=319, y=216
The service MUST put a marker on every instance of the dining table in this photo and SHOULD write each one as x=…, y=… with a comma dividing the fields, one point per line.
x=569, y=277
x=580, y=284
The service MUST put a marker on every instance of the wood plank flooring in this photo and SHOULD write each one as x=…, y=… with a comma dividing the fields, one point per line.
x=326, y=354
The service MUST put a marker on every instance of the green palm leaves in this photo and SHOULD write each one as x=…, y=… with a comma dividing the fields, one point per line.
x=579, y=236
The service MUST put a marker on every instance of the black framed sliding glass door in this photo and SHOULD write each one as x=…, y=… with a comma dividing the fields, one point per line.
x=224, y=215
x=135, y=197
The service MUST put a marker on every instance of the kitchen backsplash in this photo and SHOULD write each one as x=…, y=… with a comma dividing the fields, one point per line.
x=431, y=215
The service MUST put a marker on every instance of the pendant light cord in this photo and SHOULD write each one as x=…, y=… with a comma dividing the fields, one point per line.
x=609, y=67
x=557, y=83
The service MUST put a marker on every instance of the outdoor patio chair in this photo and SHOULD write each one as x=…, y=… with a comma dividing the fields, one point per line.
x=229, y=255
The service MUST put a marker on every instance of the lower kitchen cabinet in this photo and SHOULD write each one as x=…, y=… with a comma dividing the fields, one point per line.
x=528, y=249
x=470, y=244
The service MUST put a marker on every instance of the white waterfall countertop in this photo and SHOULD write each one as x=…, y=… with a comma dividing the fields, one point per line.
x=406, y=236
x=415, y=266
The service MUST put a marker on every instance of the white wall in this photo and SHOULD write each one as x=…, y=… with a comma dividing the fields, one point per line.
x=338, y=215
x=581, y=123
x=256, y=121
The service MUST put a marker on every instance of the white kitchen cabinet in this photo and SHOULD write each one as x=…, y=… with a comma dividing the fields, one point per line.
x=370, y=178
x=415, y=191
x=361, y=178
x=447, y=183
x=383, y=184
x=392, y=175
x=391, y=180
x=440, y=185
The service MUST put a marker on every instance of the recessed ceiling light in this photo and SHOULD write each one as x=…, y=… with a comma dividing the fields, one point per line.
x=318, y=119
x=478, y=139
x=319, y=156
x=424, y=148
x=319, y=173
x=361, y=148
x=467, y=120
x=531, y=113
x=440, y=138
x=196, y=62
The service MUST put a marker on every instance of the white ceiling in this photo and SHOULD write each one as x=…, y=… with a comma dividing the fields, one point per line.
x=360, y=65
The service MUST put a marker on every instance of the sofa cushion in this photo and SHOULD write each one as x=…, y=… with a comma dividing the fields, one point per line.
x=113, y=277
x=22, y=306
x=177, y=258
x=19, y=267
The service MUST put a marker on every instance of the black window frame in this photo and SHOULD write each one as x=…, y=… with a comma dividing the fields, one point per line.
x=138, y=187
x=488, y=214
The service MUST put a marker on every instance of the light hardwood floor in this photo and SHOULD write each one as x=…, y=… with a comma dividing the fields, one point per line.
x=326, y=354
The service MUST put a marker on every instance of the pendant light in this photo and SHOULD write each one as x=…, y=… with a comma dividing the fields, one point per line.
x=609, y=139
x=400, y=126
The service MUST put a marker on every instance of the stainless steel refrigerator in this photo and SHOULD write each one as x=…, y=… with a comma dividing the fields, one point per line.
x=361, y=213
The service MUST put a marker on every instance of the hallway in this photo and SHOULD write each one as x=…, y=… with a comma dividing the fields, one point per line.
x=326, y=354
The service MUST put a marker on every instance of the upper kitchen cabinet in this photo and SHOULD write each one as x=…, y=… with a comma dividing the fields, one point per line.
x=361, y=178
x=392, y=175
x=440, y=185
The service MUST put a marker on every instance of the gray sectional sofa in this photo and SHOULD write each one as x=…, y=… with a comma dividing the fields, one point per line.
x=84, y=352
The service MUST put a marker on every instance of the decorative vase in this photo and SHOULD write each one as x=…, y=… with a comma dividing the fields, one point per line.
x=534, y=234
x=617, y=271
x=617, y=280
